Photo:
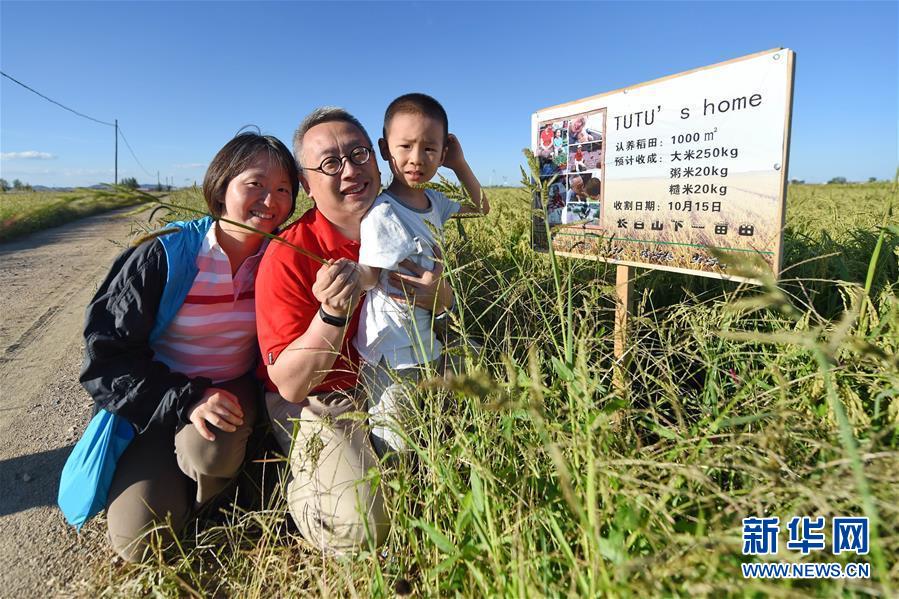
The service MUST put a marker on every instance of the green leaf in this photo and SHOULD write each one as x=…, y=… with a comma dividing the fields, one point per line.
x=446, y=564
x=477, y=492
x=611, y=549
x=438, y=538
x=463, y=518
x=665, y=432
x=613, y=406
x=562, y=370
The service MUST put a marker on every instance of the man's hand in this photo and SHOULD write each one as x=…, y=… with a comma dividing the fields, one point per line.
x=424, y=288
x=337, y=287
x=218, y=408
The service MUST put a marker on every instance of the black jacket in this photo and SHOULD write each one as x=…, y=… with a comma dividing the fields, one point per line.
x=119, y=369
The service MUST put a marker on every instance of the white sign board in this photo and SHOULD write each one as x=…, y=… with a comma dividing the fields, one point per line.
x=685, y=173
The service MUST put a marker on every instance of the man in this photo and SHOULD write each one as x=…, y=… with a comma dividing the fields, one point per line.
x=307, y=315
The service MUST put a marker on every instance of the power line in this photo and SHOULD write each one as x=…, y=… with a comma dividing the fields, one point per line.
x=116, y=125
x=149, y=174
x=55, y=102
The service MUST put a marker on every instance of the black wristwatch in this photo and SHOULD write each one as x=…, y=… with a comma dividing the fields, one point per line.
x=332, y=320
x=445, y=313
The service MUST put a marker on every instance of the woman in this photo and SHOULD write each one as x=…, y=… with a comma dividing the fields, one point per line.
x=171, y=343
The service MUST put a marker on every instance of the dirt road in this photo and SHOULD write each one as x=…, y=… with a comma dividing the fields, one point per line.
x=46, y=280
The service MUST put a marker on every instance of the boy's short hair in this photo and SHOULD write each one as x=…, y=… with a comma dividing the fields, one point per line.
x=592, y=187
x=415, y=103
x=238, y=155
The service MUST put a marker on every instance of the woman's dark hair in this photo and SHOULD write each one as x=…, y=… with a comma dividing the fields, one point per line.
x=238, y=155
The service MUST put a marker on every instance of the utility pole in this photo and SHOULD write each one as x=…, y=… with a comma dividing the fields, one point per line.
x=116, y=152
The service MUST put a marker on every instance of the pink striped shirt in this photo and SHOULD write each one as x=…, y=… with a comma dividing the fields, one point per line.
x=214, y=332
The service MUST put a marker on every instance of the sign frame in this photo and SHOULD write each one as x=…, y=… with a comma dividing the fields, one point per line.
x=588, y=105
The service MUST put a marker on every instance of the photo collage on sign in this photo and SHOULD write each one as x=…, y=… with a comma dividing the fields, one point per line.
x=572, y=151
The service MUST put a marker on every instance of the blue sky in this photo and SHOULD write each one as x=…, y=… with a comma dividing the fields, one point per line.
x=182, y=78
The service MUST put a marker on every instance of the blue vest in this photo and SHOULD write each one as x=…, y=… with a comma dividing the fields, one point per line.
x=181, y=251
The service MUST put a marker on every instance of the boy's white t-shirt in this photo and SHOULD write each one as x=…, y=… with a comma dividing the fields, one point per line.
x=390, y=233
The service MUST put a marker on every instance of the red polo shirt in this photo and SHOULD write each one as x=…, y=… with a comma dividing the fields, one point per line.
x=285, y=305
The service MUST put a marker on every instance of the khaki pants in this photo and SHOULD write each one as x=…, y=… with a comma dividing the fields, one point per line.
x=330, y=495
x=161, y=478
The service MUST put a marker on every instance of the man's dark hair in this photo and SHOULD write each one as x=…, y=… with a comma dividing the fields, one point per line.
x=422, y=104
x=238, y=155
x=323, y=114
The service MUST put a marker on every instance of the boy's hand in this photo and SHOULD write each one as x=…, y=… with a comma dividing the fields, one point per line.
x=425, y=288
x=454, y=159
x=368, y=276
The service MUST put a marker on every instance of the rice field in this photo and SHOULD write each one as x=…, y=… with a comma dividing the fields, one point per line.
x=536, y=476
x=25, y=212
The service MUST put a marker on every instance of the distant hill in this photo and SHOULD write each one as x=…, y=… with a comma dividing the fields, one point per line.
x=45, y=188
x=143, y=186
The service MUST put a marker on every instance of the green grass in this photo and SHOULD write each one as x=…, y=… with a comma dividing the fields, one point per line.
x=25, y=212
x=537, y=478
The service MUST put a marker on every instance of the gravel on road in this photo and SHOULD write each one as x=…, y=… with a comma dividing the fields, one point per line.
x=46, y=280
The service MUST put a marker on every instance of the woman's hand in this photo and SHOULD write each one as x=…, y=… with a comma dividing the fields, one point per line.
x=337, y=287
x=424, y=288
x=218, y=408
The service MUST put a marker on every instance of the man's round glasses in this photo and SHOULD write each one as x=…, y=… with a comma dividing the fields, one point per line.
x=332, y=165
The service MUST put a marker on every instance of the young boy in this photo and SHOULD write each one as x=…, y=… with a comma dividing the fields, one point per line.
x=395, y=339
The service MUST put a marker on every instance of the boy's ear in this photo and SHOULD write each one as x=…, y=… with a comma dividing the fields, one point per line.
x=443, y=154
x=385, y=152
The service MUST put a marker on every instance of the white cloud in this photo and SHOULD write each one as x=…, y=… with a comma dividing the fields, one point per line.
x=189, y=165
x=27, y=155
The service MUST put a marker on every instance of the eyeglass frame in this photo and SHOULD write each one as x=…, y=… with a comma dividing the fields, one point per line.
x=342, y=160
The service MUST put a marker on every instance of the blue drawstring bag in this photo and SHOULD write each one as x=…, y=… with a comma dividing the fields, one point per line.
x=87, y=475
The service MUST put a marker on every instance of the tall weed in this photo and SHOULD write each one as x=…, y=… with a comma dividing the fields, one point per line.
x=533, y=477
